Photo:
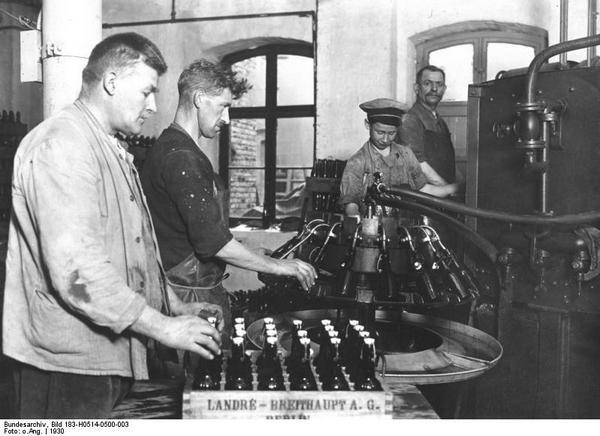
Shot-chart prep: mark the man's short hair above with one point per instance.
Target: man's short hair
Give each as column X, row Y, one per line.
column 431, row 68
column 120, row 51
column 210, row 77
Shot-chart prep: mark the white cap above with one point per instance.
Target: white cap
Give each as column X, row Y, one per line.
column 369, row 341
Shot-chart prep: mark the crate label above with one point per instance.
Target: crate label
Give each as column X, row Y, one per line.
column 284, row 405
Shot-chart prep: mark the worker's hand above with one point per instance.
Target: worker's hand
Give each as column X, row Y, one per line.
column 304, row 272
column 452, row 188
column 192, row 333
column 204, row 310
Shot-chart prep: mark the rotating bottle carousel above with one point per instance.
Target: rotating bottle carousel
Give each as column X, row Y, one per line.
column 384, row 272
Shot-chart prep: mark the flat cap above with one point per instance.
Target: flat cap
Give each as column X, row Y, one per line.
column 384, row 110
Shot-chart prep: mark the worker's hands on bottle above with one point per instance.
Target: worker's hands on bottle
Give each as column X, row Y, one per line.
column 304, row 272
column 204, row 310
column 192, row 333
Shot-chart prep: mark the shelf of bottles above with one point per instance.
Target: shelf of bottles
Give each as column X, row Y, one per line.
column 339, row 379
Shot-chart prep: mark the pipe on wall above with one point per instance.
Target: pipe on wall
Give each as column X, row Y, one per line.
column 70, row 29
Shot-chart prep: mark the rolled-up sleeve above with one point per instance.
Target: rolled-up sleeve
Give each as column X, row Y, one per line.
column 188, row 181
column 412, row 133
column 63, row 188
column 417, row 175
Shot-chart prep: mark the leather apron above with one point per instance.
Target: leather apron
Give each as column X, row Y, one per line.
column 194, row 280
column 440, row 152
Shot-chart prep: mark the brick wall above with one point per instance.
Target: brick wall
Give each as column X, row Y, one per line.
column 247, row 138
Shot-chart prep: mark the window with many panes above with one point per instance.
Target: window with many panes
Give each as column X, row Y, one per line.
column 474, row 52
column 268, row 149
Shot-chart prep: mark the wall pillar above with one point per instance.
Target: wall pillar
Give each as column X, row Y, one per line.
column 70, row 29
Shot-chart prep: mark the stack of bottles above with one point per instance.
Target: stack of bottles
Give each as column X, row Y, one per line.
column 345, row 361
column 327, row 169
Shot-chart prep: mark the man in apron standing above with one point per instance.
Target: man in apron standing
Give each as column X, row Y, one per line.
column 185, row 196
column 424, row 130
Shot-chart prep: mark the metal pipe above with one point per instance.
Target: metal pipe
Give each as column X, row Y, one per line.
column 564, row 28
column 544, row 174
column 70, row 29
column 591, row 29
column 213, row 18
column 452, row 206
column 554, row 50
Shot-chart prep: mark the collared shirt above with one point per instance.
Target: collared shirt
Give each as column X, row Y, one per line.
column 179, row 182
column 399, row 167
column 77, row 252
column 414, row 124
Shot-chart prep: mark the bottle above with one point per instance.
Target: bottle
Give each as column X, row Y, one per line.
column 324, row 347
column 346, row 335
column 270, row 377
column 353, row 351
column 215, row 365
column 295, row 357
column 302, row 378
column 239, row 331
column 331, row 374
column 365, row 378
column 239, row 373
column 240, row 321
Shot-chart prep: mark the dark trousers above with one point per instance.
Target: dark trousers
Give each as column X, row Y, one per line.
column 49, row 394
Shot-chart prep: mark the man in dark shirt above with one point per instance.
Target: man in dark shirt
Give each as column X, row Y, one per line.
column 185, row 199
column 424, row 130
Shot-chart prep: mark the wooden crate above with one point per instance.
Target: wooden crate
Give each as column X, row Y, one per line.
column 286, row 404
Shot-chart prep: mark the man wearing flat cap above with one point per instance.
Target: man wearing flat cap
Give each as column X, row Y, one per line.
column 396, row 162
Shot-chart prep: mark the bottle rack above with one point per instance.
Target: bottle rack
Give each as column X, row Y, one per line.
column 282, row 404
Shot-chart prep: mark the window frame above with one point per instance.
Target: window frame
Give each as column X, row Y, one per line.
column 480, row 34
column 270, row 112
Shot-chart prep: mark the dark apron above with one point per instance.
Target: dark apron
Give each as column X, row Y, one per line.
column 194, row 280
column 440, row 152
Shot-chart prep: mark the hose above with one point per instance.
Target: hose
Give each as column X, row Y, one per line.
column 452, row 206
column 486, row 247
